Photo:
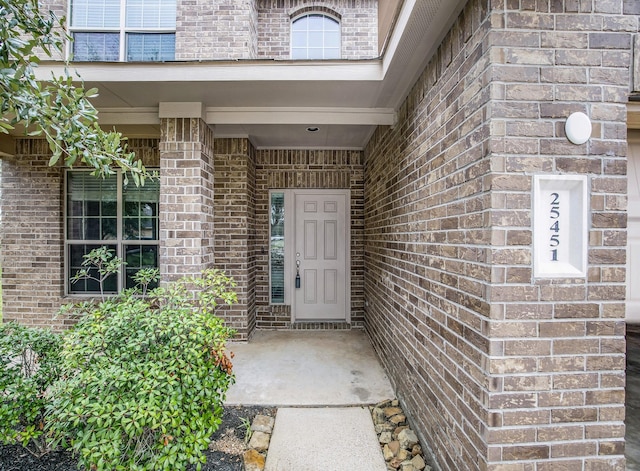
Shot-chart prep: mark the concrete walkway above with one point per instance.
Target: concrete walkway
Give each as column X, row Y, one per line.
column 313, row 439
column 322, row 383
column 307, row 368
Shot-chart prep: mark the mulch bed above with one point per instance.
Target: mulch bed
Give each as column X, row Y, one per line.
column 225, row 453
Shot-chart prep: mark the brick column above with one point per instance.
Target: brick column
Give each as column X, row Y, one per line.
column 186, row 191
column 557, row 349
column 235, row 239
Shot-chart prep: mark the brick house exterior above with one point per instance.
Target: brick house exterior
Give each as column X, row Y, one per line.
column 499, row 369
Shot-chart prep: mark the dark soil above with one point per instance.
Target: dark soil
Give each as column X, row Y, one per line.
column 225, row 453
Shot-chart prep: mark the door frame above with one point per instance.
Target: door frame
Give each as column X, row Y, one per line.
column 290, row 246
column 631, row 316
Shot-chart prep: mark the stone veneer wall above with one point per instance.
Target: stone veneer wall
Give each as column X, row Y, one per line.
column 499, row 370
column 358, row 22
column 235, row 248
column 324, row 169
column 32, row 234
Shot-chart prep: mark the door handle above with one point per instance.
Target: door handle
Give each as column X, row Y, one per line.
column 298, row 274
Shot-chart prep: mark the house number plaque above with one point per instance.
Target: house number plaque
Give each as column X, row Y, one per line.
column 560, row 226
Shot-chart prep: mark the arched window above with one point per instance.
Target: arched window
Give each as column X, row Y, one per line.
column 315, row 36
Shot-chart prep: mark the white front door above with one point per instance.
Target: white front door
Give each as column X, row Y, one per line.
column 321, row 257
column 633, row 234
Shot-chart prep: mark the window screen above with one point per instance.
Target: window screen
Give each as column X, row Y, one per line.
column 151, row 47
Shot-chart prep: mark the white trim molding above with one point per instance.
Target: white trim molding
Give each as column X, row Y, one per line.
column 363, row 116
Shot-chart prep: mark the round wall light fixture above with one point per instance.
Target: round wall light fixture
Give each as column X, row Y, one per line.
column 578, row 128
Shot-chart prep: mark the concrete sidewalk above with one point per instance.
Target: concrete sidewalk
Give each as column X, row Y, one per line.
column 322, row 382
column 334, row 439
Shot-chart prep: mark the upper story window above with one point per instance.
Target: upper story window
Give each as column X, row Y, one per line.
column 123, row 30
column 315, row 36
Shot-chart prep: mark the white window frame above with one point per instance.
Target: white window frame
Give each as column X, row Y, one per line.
column 119, row 241
column 326, row 16
column 122, row 30
column 288, row 237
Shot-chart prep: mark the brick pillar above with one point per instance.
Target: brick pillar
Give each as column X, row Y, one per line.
column 235, row 248
column 186, row 193
column 555, row 390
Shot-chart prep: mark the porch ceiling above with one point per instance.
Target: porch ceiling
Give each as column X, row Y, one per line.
column 274, row 102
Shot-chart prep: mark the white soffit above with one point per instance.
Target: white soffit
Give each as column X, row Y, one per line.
column 267, row 98
column 419, row 30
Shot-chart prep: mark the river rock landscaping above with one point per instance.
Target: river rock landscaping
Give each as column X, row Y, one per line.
column 400, row 446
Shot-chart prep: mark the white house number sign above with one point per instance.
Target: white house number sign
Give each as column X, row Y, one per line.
column 560, row 225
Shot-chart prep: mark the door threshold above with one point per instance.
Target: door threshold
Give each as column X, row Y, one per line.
column 320, row 325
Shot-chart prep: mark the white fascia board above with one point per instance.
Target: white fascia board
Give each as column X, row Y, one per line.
column 315, row 116
column 398, row 30
column 217, row 115
column 106, row 72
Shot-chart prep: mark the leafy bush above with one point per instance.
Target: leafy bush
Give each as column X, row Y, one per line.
column 98, row 265
column 29, row 364
column 145, row 379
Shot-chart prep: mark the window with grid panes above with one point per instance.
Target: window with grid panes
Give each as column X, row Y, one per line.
column 123, row 30
column 106, row 212
column 315, row 36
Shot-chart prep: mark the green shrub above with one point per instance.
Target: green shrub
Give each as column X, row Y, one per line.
column 98, row 265
column 29, row 364
column 145, row 379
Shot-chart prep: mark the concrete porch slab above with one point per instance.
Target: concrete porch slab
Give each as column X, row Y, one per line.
column 322, row 439
column 307, row 368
